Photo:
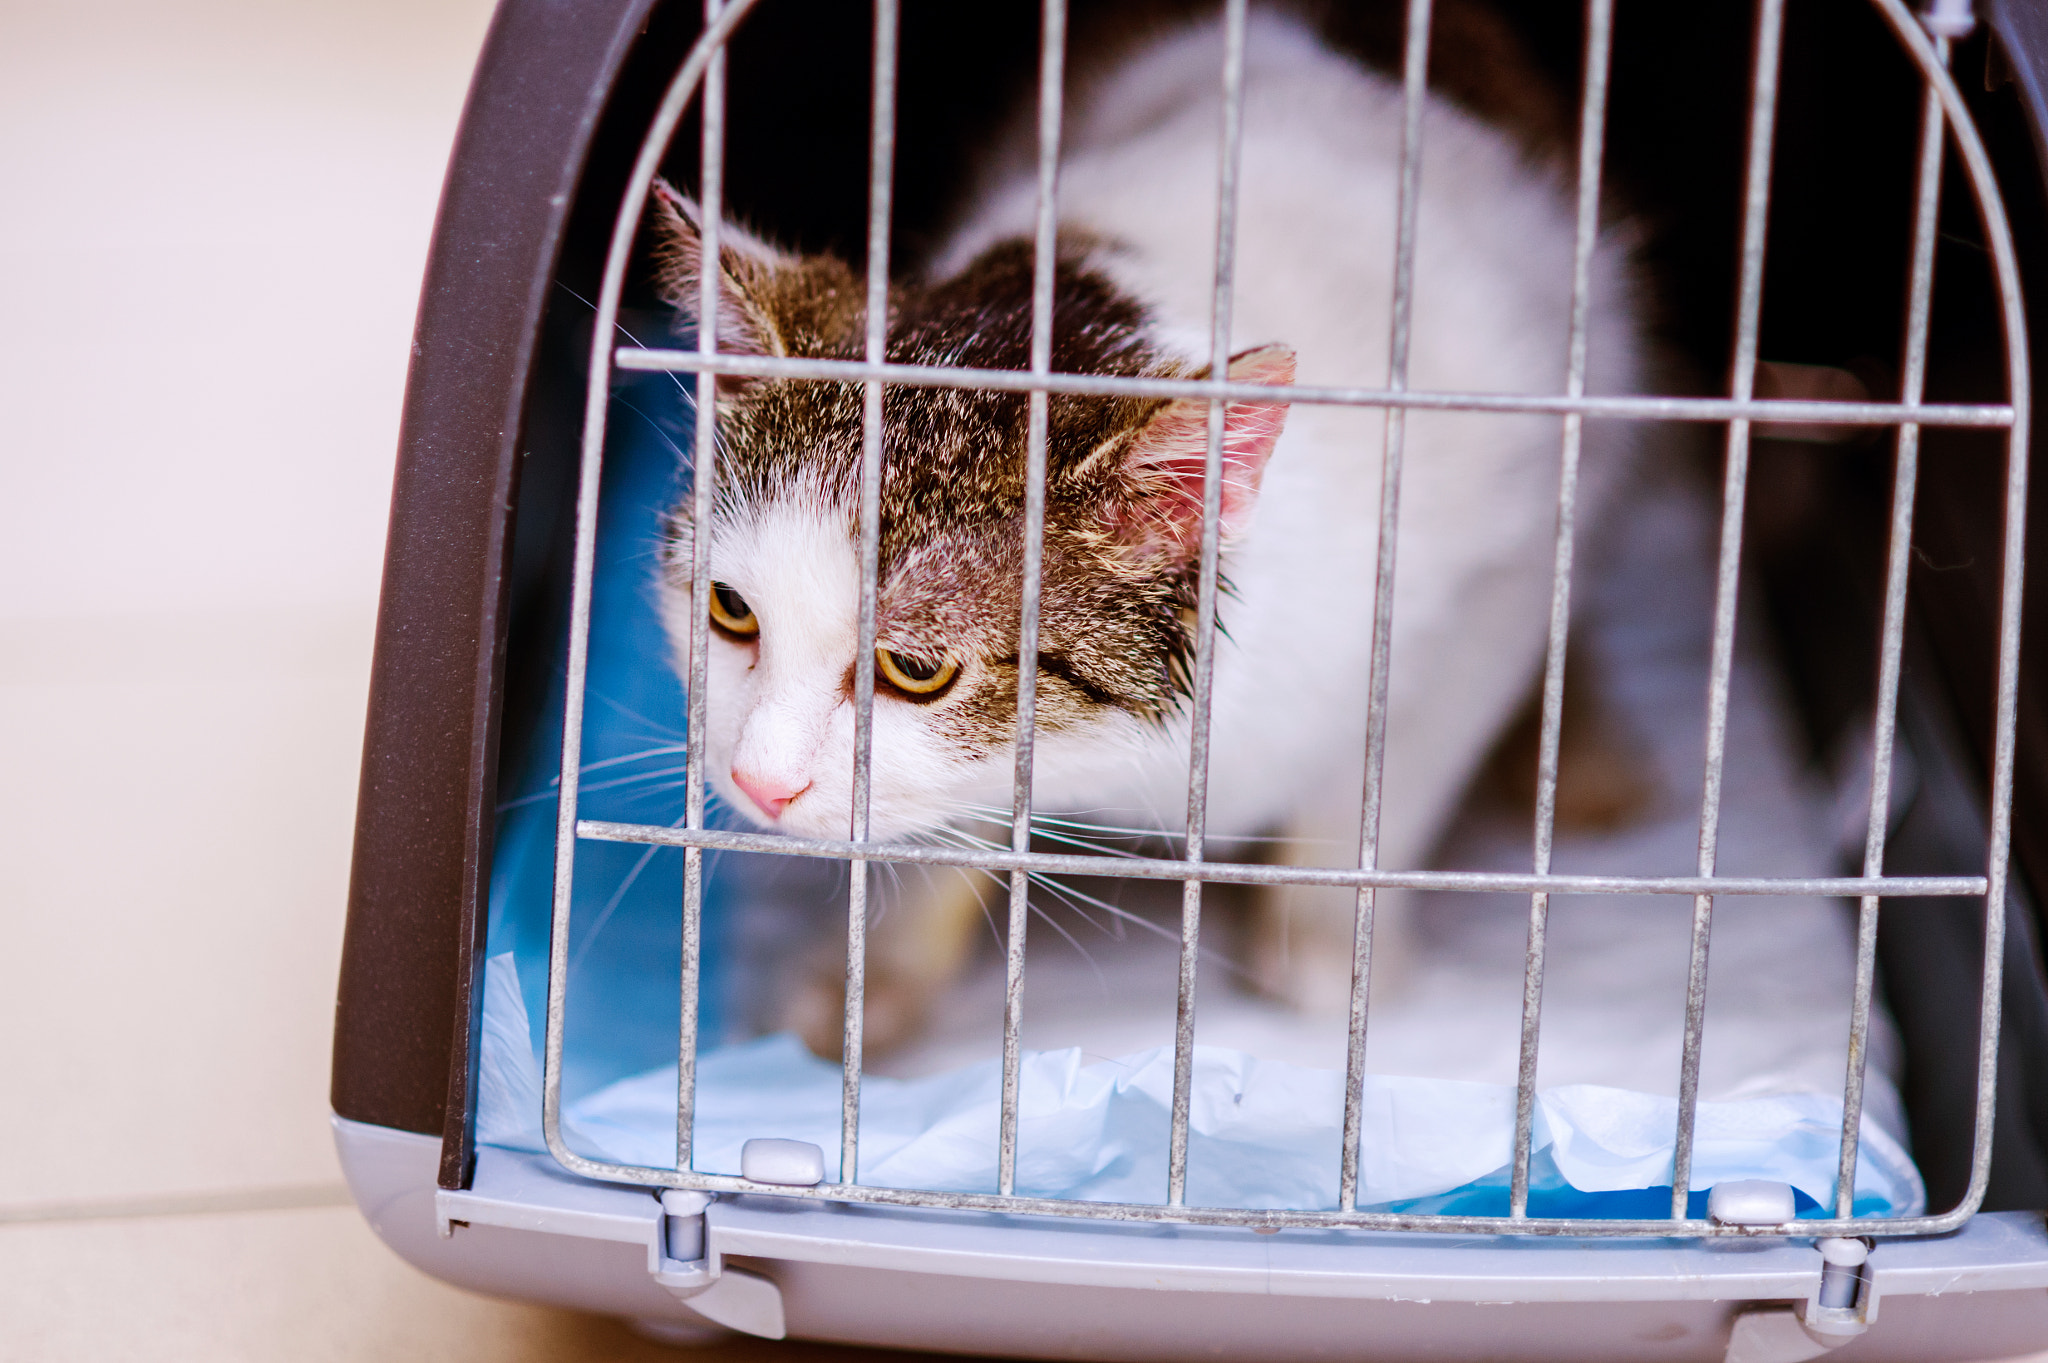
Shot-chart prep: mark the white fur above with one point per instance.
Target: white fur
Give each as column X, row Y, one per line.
column 1316, row 208
column 1314, row 271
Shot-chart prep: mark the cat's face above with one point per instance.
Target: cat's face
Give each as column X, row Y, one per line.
column 1121, row 546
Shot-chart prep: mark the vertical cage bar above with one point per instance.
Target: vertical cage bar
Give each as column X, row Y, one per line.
column 1905, row 476
column 1998, row 851
column 1205, row 609
column 1990, row 1002
column 589, row 478
column 881, row 173
column 1592, row 139
column 1763, row 110
column 1415, row 90
column 1051, row 77
column 577, row 667
column 1983, row 183
column 704, row 426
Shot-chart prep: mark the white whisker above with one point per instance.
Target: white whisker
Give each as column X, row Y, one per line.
column 642, row 777
column 667, row 731
column 1054, row 924
column 666, row 750
column 618, row 896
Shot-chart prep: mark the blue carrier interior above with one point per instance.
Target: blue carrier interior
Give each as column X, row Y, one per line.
column 625, row 958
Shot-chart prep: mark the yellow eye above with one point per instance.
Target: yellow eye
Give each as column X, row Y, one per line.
column 731, row 613
column 916, row 677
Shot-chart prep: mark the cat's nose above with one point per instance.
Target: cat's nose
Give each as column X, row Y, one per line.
column 773, row 794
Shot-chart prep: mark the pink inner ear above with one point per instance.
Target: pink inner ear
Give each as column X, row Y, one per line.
column 1171, row 453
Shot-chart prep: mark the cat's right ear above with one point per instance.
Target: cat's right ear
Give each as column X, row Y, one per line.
column 746, row 273
column 1156, row 509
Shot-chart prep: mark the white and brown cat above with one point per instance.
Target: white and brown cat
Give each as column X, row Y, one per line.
column 1311, row 304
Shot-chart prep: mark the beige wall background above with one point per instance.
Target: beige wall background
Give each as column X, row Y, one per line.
column 213, row 215
column 216, row 216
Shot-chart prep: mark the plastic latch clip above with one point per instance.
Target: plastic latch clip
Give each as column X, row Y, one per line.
column 1751, row 1202
column 793, row 1164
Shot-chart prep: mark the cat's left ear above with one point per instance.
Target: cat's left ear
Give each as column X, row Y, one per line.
column 1164, row 463
column 747, row 268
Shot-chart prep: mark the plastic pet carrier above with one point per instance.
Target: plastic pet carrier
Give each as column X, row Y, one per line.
column 564, row 1069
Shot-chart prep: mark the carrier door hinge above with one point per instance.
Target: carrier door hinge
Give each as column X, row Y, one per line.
column 1843, row 1304
column 691, row 1267
column 682, row 1253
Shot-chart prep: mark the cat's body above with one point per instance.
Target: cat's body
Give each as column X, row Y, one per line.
column 1311, row 301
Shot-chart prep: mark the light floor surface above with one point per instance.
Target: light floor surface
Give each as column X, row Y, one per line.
column 309, row 1285
column 217, row 213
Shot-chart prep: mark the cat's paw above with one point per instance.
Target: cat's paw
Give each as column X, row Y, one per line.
column 815, row 1009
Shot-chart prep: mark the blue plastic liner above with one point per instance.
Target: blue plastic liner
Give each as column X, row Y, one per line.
column 625, row 955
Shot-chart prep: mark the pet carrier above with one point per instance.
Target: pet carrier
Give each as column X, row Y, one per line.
column 652, row 1162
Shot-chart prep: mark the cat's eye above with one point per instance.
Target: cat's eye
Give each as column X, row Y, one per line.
column 731, row 613
column 918, row 678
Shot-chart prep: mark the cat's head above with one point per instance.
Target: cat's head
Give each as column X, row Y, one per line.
column 1122, row 534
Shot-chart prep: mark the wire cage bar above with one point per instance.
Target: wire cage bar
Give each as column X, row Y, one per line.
column 1763, row 114
column 1905, row 477
column 1051, row 86
column 1592, row 139
column 703, row 456
column 1945, row 125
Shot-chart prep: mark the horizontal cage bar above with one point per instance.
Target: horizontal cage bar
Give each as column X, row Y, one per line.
column 1253, row 873
column 1784, row 410
column 1261, row 1218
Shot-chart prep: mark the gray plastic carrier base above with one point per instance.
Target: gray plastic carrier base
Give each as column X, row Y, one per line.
column 971, row 1282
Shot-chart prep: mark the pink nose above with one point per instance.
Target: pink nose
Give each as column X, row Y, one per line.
column 772, row 794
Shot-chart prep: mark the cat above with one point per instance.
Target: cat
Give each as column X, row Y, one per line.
column 1300, row 494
